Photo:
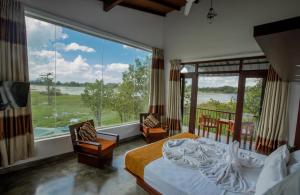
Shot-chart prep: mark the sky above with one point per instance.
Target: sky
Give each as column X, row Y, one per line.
column 76, row 56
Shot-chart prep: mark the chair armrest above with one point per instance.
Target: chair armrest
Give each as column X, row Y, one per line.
column 110, row 134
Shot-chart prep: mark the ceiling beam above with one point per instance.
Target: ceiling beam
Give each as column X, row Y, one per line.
column 109, row 4
column 166, row 4
column 142, row 9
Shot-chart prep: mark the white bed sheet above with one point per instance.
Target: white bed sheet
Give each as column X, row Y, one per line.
column 170, row 179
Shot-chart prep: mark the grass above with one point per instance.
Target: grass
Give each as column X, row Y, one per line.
column 65, row 110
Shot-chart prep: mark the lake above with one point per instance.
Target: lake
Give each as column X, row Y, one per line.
column 221, row 97
column 202, row 97
column 63, row 89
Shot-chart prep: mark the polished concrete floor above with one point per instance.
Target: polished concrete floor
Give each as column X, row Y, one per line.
column 67, row 176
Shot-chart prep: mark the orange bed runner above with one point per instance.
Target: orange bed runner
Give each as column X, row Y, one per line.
column 137, row 159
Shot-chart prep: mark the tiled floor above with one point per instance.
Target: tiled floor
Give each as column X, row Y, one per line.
column 70, row 177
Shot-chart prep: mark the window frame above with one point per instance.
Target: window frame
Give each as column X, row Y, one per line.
column 79, row 27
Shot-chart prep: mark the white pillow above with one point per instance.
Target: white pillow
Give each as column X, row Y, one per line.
column 293, row 168
column 281, row 151
column 294, row 157
column 288, row 186
column 272, row 173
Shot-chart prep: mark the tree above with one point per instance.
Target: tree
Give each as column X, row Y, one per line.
column 253, row 99
column 128, row 98
column 48, row 79
column 91, row 97
column 132, row 95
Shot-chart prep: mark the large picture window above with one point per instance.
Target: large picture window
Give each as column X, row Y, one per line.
column 75, row 77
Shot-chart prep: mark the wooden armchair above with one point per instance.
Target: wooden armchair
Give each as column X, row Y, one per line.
column 247, row 133
column 207, row 123
column 97, row 153
column 153, row 134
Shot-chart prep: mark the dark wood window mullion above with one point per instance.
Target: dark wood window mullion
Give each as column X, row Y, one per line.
column 182, row 77
column 193, row 108
column 240, row 104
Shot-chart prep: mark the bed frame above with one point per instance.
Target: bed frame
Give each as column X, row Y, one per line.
column 144, row 185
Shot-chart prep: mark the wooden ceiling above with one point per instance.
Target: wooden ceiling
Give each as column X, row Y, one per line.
column 280, row 41
column 158, row 7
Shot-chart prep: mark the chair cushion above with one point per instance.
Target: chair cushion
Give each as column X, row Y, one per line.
column 106, row 146
column 151, row 121
column 87, row 132
column 155, row 130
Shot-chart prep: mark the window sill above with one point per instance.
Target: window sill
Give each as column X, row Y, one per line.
column 98, row 129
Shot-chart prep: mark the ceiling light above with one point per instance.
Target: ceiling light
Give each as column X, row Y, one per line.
column 211, row 13
column 298, row 65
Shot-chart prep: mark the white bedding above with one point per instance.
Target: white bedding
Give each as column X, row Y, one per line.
column 171, row 179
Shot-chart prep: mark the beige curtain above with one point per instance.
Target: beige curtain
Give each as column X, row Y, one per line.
column 16, row 134
column 272, row 129
column 157, row 89
column 174, row 112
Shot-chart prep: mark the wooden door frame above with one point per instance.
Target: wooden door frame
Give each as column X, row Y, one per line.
column 243, row 74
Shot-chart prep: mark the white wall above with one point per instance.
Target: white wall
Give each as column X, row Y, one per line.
column 294, row 96
column 127, row 23
column 192, row 38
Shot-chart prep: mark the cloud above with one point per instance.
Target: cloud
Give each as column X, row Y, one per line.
column 46, row 54
column 112, row 73
column 40, row 34
column 77, row 69
column 117, row 67
column 75, row 46
column 41, row 62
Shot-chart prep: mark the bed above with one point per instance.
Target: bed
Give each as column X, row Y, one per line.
column 160, row 176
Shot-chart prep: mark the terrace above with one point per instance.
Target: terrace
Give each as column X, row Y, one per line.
column 228, row 98
column 224, row 130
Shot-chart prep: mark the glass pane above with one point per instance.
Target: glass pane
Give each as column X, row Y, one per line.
column 217, row 98
column 251, row 112
column 188, row 68
column 186, row 103
column 118, row 76
column 41, row 62
column 142, row 82
column 78, row 79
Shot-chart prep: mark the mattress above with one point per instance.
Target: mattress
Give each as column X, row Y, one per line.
column 170, row 179
column 137, row 159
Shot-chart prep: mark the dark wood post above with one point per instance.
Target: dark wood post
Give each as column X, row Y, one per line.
column 239, row 105
column 193, row 108
column 182, row 81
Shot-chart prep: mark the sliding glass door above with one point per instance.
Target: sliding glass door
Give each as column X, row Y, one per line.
column 186, row 89
column 225, row 98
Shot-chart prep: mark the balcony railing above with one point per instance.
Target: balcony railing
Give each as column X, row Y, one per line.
column 249, row 124
column 217, row 114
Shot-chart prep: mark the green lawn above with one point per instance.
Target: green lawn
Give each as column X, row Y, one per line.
column 65, row 110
